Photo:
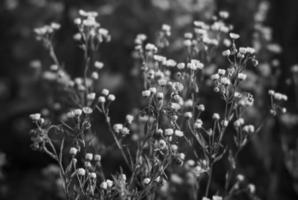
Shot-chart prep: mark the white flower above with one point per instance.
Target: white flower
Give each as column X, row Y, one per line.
column 35, row 117
column 201, row 107
column 92, row 175
column 98, row 65
column 105, row 92
column 160, row 95
column 198, row 124
column 234, row 36
column 221, row 72
column 73, row 151
column 162, row 144
column 118, row 127
column 101, row 99
column 188, row 115
column 239, row 122
column 89, row 156
column 179, row 133
column 226, row 52
column 146, row 181
column 109, row 183
column 97, row 157
column 181, row 66
column 91, row 96
column 242, row 76
column 225, row 81
column 215, row 197
column 87, row 110
column 249, row 128
column 146, row 93
column 129, row 118
column 111, row 97
column 215, row 116
column 151, row 47
column 104, row 185
column 240, row 177
column 169, row 132
column 153, row 90
column 81, row 172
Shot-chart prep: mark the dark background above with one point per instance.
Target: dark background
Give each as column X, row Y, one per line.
column 20, row 93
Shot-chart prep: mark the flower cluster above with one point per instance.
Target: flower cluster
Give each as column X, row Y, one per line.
column 173, row 138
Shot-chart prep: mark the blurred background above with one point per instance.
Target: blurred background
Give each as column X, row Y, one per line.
column 270, row 160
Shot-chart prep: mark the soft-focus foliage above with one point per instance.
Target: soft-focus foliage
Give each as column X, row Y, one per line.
column 156, row 99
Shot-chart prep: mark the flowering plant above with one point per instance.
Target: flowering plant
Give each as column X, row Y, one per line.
column 173, row 140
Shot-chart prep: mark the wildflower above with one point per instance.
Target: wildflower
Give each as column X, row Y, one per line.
column 195, row 65
column 81, row 172
column 146, row 93
column 146, row 181
column 251, row 188
column 205, row 198
column 109, row 183
column 188, row 115
column 152, row 90
column 175, row 106
column 87, row 110
column 225, row 81
column 101, row 99
column 78, row 112
column 87, row 164
column 118, row 127
column 174, row 147
column 201, row 107
column 181, row 66
column 225, row 123
column 77, row 21
column 171, row 63
column 89, row 156
column 140, row 39
column 179, row 133
column 104, row 185
column 98, row 65
column 94, row 75
column 97, row 157
column 224, row 14
column 215, row 197
column 105, row 92
column 160, row 95
column 221, row 72
column 239, row 122
column 111, row 97
column 249, row 128
column 226, row 52
column 151, row 47
column 92, row 175
column 198, row 124
column 129, row 118
column 234, row 36
column 216, row 116
column 175, row 178
column 187, row 43
column 162, row 144
column 215, row 76
column 169, row 132
column 242, row 76
column 182, row 156
column 188, row 103
column 73, row 151
column 125, row 131
column 91, row 96
column 35, row 117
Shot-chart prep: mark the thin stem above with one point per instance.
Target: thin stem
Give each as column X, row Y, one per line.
column 209, row 180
